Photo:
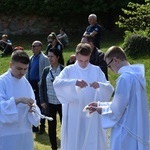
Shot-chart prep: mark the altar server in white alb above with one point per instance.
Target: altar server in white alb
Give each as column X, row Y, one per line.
column 16, row 102
column 75, row 87
column 127, row 114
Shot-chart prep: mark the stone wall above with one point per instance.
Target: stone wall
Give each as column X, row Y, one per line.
column 33, row 24
column 18, row 25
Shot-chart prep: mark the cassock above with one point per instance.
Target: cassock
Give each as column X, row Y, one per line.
column 127, row 114
column 15, row 120
column 78, row 131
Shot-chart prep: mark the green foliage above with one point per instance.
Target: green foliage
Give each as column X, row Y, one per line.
column 43, row 7
column 59, row 7
column 136, row 18
column 68, row 13
column 136, row 22
column 136, row 44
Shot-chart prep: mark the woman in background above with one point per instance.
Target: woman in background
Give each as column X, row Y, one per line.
column 48, row 98
column 53, row 42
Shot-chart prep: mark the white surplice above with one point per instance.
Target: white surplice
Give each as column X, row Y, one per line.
column 78, row 131
column 127, row 115
column 15, row 120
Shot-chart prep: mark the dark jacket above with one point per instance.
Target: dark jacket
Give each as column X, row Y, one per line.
column 43, row 87
column 97, row 58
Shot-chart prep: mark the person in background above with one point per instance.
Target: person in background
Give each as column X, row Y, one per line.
column 127, row 113
column 53, row 42
column 16, row 102
column 63, row 38
column 96, row 58
column 94, row 29
column 48, row 98
column 38, row 62
column 18, row 48
column 5, row 45
column 75, row 86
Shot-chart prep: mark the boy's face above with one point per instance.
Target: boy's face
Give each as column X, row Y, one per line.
column 83, row 61
column 18, row 69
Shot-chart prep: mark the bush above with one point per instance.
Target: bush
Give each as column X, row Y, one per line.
column 136, row 45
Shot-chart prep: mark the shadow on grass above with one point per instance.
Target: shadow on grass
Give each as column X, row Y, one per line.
column 44, row 139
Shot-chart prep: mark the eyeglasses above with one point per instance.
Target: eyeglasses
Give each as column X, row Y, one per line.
column 108, row 65
column 36, row 45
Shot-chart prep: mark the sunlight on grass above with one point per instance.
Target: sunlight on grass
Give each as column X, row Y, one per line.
column 41, row 142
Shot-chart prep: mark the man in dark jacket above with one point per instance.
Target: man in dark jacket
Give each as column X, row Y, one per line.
column 94, row 29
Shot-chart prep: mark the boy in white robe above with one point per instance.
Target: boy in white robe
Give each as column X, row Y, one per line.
column 127, row 114
column 16, row 102
column 75, row 87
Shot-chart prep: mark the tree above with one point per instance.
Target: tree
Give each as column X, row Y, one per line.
column 136, row 22
column 71, row 12
column 136, row 19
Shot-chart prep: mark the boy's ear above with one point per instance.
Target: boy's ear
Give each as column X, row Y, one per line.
column 115, row 59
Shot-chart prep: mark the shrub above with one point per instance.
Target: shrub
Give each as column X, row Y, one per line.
column 137, row 45
column 136, row 18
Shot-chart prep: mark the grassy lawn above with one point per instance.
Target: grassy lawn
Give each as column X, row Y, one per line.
column 108, row 39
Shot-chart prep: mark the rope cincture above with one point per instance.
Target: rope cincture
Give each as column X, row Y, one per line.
column 42, row 116
column 135, row 136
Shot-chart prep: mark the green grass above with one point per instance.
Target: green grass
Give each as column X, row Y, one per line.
column 108, row 39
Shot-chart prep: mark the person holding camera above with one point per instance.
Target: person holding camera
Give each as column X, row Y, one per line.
column 49, row 101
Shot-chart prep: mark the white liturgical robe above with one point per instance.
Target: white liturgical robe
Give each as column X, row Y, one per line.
column 127, row 114
column 78, row 131
column 15, row 120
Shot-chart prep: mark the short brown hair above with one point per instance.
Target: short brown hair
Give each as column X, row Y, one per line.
column 89, row 38
column 20, row 56
column 115, row 51
column 83, row 49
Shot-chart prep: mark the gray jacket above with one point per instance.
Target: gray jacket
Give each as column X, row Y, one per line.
column 43, row 62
